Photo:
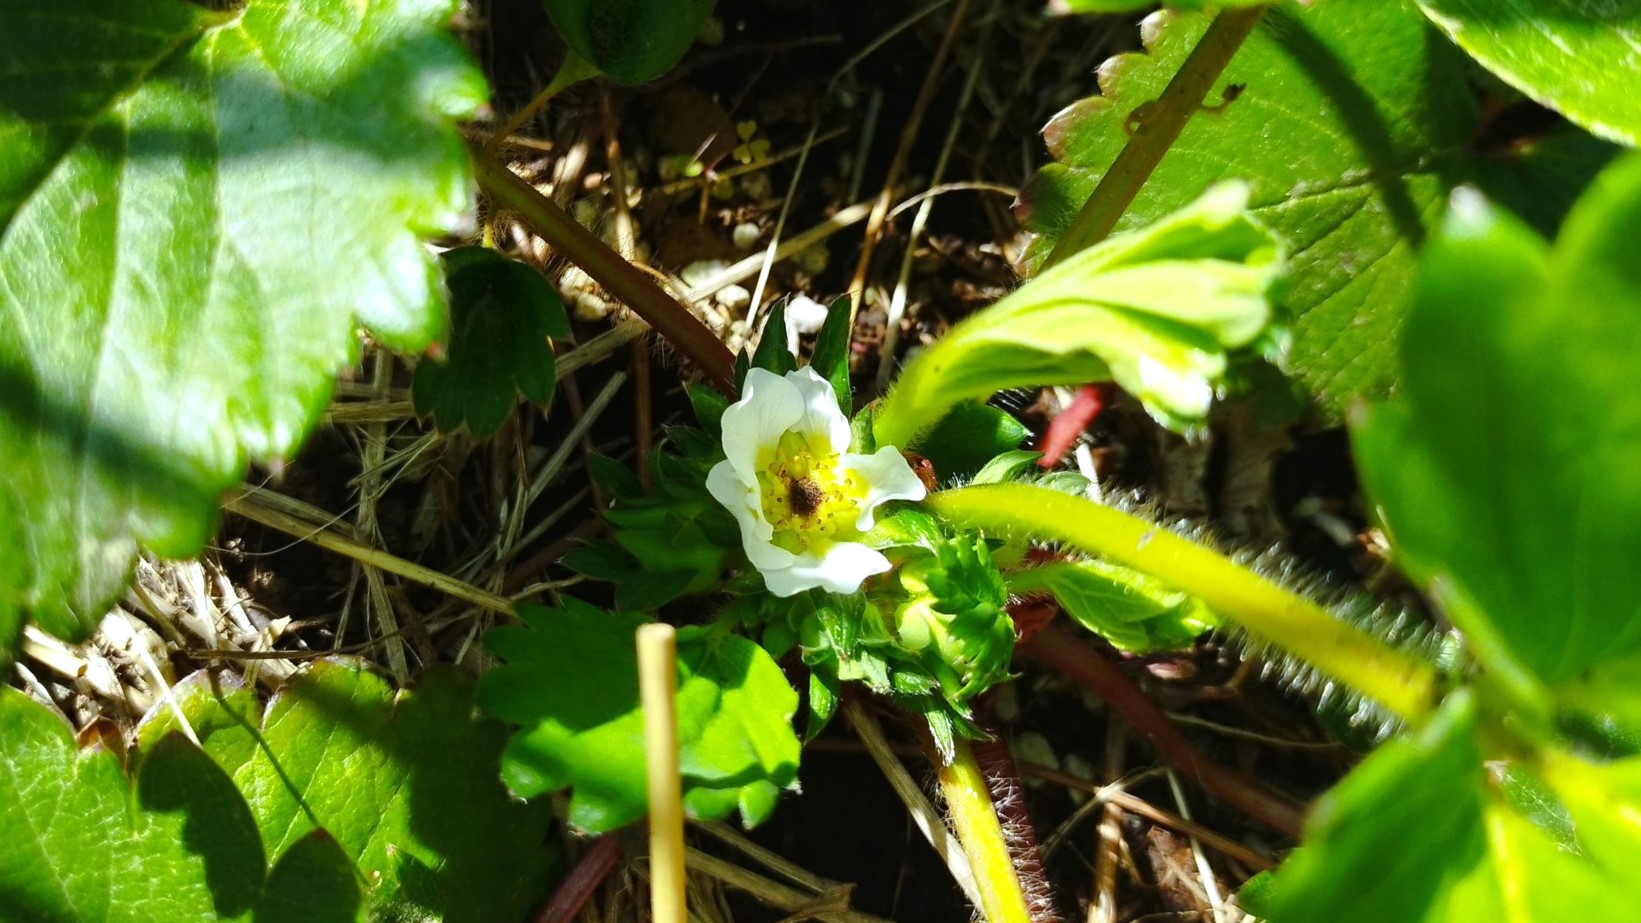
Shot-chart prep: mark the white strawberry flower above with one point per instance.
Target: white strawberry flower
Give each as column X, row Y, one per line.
column 802, row 499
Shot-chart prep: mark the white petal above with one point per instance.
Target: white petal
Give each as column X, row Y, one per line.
column 743, row 502
column 841, row 568
column 887, row 477
column 769, row 406
column 821, row 416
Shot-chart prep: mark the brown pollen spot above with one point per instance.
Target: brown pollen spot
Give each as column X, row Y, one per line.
column 805, row 496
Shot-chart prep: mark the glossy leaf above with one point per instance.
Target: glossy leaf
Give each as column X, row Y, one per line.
column 1348, row 118
column 1156, row 310
column 571, row 683
column 1132, row 611
column 502, row 314
column 631, row 41
column 1506, row 467
column 177, row 843
column 406, row 785
column 1581, row 58
column 968, row 437
column 195, row 216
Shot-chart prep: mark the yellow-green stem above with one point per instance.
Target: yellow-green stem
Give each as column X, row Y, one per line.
column 974, row 817
column 1405, row 686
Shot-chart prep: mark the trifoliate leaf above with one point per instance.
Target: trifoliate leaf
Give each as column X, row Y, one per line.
column 83, row 842
column 1347, row 118
column 1506, row 466
column 1132, row 611
column 1581, row 58
column 405, row 784
column 1156, row 310
column 196, row 212
column 631, row 41
column 502, row 314
column 571, row 683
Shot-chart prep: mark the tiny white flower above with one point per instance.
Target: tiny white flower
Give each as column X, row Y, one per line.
column 802, row 500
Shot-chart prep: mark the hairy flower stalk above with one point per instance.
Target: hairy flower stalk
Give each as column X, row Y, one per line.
column 802, row 500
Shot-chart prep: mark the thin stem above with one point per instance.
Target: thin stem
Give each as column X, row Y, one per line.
column 574, row 70
column 1159, row 127
column 968, row 800
column 251, row 503
column 657, row 689
column 1083, row 665
column 632, row 287
column 1402, row 684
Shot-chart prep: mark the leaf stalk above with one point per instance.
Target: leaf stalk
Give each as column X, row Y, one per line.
column 1402, row 684
column 1158, row 128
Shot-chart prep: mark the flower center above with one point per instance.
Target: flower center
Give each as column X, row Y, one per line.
column 805, row 495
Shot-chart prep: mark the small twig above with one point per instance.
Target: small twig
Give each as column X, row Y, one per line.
column 771, row 892
column 657, row 689
column 1058, row 650
column 1108, row 851
column 579, row 883
column 1160, row 126
column 1210, row 884
column 748, row 267
column 903, row 152
column 631, row 286
column 247, row 501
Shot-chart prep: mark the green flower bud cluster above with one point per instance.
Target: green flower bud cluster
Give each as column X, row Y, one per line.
column 954, row 617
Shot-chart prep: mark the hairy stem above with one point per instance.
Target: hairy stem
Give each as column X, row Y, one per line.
column 1404, row 685
column 633, row 288
column 1159, row 127
column 968, row 800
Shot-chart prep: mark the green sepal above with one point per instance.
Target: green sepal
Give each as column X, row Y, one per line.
column 709, row 405
column 1132, row 611
column 772, row 354
column 831, row 357
column 613, row 478
column 825, row 692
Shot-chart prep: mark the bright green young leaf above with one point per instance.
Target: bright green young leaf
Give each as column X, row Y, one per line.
column 1506, row 466
column 82, row 842
column 1132, row 611
column 1348, row 120
column 1156, row 310
column 630, row 41
column 571, row 683
column 405, row 784
column 502, row 314
column 1581, row 58
column 196, row 212
column 1416, row 833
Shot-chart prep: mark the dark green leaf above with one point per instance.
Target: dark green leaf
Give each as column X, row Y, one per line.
column 1506, row 467
column 1132, row 611
column 197, row 211
column 313, row 882
column 772, row 353
column 601, row 561
column 571, row 682
column 615, row 479
column 1349, row 122
column 1581, row 58
column 502, row 314
column 647, row 588
column 967, row 437
column 406, row 784
column 1540, row 178
column 709, row 405
column 631, row 41
column 831, row 357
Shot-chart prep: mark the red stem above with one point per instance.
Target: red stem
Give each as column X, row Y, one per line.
column 581, row 881
column 1055, row 648
column 1070, row 423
